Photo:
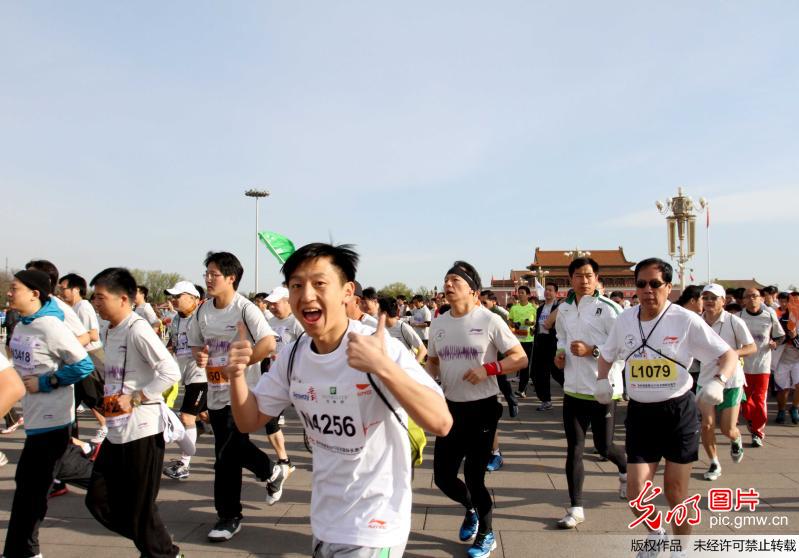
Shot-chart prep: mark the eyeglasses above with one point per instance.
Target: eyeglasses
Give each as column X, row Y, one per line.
column 212, row 276
column 654, row 283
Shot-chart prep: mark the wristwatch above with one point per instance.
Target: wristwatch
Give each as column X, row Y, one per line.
column 53, row 381
column 595, row 352
column 135, row 399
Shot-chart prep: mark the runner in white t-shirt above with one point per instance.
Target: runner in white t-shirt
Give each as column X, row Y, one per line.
column 72, row 290
column 400, row 330
column 463, row 348
column 421, row 317
column 138, row 368
column 353, row 388
column 354, row 311
column 211, row 332
column 658, row 340
column 185, row 298
column 145, row 309
column 11, row 387
column 735, row 333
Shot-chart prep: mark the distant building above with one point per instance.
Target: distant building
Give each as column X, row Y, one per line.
column 615, row 271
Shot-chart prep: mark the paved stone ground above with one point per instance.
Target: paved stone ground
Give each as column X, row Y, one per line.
column 530, row 495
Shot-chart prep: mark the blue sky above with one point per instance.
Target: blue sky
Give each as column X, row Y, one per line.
column 421, row 132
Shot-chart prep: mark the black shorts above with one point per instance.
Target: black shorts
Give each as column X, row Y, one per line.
column 666, row 429
column 272, row 427
column 195, row 399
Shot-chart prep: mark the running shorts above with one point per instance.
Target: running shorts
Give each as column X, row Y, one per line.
column 786, row 375
column 273, row 427
column 732, row 397
column 195, row 399
column 666, row 429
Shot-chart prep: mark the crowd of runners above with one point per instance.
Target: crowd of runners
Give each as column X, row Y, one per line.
column 366, row 375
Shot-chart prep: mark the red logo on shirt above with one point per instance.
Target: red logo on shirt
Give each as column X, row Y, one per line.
column 361, row 386
column 364, row 389
column 670, row 340
column 377, row 524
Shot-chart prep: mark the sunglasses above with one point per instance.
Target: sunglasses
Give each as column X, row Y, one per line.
column 654, row 283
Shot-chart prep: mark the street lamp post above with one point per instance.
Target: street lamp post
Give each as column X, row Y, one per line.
column 574, row 254
column 257, row 194
column 681, row 228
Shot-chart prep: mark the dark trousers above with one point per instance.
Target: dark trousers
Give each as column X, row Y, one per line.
column 578, row 415
column 506, row 389
column 121, row 496
column 234, row 451
column 543, row 364
column 33, row 479
column 524, row 373
column 470, row 439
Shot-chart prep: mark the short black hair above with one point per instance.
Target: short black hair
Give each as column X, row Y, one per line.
column 524, row 288
column 771, row 289
column 491, row 296
column 228, row 264
column 144, row 291
column 691, row 292
column 388, row 304
column 733, row 307
column 200, row 290
column 486, row 292
column 739, row 293
column 782, row 296
column 370, row 293
column 730, row 291
column 417, row 298
column 47, row 267
column 552, row 284
column 402, row 297
column 469, row 269
column 75, row 281
column 260, row 295
column 665, row 268
column 116, row 280
column 580, row 262
column 343, row 257
column 617, row 294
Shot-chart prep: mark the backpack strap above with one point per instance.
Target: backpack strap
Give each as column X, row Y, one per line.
column 291, row 357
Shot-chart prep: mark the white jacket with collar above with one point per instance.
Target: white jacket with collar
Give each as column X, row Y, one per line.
column 590, row 321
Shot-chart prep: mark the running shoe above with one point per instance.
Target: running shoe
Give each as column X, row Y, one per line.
column 757, row 441
column 656, row 542
column 795, row 415
column 469, row 526
column 545, row 406
column 224, row 529
column 573, row 517
column 3, row 459
column 780, row 417
column 622, row 486
column 483, row 544
column 13, row 427
column 57, row 489
column 713, row 472
column 513, row 409
column 520, row 394
column 495, row 462
column 291, row 467
column 99, row 436
column 177, row 470
column 274, row 485
column 737, row 450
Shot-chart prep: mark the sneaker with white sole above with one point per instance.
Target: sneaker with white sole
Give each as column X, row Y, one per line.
column 713, row 472
column 274, row 485
column 737, row 450
column 482, row 546
column 3, row 459
column 224, row 529
column 622, row 486
column 757, row 441
column 656, row 542
column 545, row 406
column 177, row 470
column 468, row 530
column 573, row 517
column 13, row 427
column 99, row 436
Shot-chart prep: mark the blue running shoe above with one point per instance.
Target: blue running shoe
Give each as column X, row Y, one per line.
column 483, row 545
column 469, row 526
column 495, row 463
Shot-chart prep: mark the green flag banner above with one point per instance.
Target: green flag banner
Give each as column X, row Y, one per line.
column 280, row 246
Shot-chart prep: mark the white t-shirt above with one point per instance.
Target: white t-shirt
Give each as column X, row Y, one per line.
column 146, row 311
column 361, row 491
column 764, row 326
column 4, row 364
column 190, row 373
column 88, row 317
column 286, row 331
column 735, row 333
column 675, row 337
column 70, row 317
column 467, row 342
column 137, row 360
column 419, row 316
column 43, row 347
column 543, row 313
column 217, row 328
column 406, row 335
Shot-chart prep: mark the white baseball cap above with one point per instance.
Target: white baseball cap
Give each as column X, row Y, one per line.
column 278, row 293
column 716, row 289
column 183, row 287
